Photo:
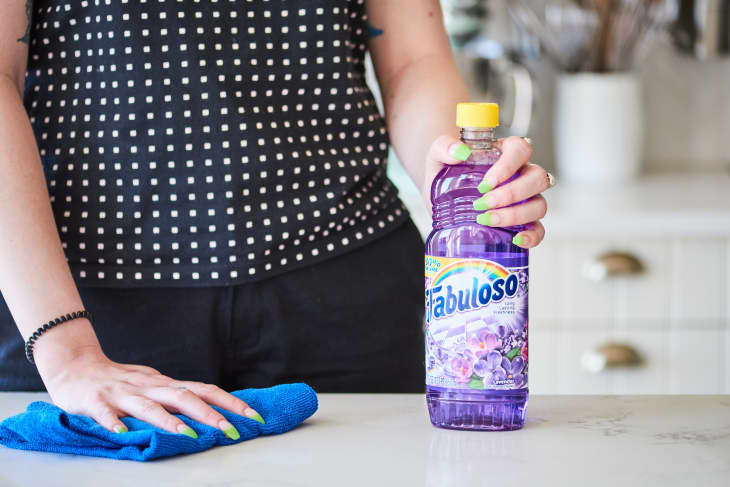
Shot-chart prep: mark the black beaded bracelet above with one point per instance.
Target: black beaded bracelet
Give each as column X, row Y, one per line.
column 51, row 324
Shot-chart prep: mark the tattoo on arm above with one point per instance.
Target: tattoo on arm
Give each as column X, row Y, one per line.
column 372, row 30
column 29, row 14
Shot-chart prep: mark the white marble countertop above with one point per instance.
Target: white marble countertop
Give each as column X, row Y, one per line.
column 379, row 440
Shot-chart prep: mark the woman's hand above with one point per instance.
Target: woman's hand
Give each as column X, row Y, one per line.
column 105, row 390
column 533, row 180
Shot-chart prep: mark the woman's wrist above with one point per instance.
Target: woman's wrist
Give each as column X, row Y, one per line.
column 63, row 343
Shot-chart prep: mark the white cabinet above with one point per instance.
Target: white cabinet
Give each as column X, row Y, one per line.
column 687, row 361
column 573, row 379
column 699, row 279
column 544, row 270
column 579, row 300
column 726, row 355
column 645, row 297
column 651, row 375
column 673, row 314
column 683, row 280
column 697, row 360
column 544, row 355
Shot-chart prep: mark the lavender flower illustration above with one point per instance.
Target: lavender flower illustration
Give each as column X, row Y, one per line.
column 461, row 368
column 483, row 342
column 514, row 370
column 490, row 368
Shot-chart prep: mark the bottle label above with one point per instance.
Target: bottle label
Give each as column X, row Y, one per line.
column 476, row 324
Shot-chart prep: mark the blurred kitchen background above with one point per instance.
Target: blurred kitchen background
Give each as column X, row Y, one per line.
column 627, row 102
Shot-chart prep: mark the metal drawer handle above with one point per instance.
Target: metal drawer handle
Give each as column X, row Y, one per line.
column 610, row 356
column 611, row 264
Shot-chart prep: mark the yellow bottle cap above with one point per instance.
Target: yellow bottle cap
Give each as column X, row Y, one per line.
column 477, row 115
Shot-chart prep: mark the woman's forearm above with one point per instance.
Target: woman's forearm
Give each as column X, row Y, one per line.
column 417, row 76
column 420, row 106
column 35, row 280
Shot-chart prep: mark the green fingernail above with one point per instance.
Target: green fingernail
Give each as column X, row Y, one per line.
column 518, row 240
column 257, row 417
column 484, row 218
column 187, row 430
column 462, row 152
column 481, row 204
column 484, row 187
column 120, row 428
column 230, row 430
column 232, row 433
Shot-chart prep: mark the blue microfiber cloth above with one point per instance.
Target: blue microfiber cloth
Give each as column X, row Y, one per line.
column 46, row 427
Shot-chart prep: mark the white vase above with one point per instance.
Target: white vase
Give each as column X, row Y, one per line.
column 599, row 127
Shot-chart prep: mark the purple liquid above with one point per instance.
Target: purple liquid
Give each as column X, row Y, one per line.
column 456, row 234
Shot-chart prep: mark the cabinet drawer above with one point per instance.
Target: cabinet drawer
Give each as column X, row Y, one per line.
column 681, row 280
column 692, row 359
column 700, row 279
column 651, row 376
column 544, row 360
column 697, row 360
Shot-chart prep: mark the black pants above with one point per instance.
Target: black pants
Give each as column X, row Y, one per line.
column 350, row 324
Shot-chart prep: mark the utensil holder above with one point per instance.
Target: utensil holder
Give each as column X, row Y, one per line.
column 599, row 127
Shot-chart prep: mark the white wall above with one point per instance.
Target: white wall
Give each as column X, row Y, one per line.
column 688, row 111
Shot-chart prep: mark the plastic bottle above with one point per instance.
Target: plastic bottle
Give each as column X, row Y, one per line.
column 476, row 296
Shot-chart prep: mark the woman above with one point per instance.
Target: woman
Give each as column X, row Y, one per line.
column 218, row 198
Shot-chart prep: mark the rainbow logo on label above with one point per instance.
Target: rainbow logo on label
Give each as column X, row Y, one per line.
column 467, row 285
column 492, row 270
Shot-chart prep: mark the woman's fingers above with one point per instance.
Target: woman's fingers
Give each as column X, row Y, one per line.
column 152, row 412
column 531, row 210
column 531, row 236
column 189, row 404
column 444, row 150
column 516, row 152
column 533, row 180
column 448, row 150
column 107, row 417
column 212, row 394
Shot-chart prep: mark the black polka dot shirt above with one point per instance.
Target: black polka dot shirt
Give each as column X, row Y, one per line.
column 206, row 142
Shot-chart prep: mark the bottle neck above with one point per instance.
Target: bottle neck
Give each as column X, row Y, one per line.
column 454, row 191
column 478, row 137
